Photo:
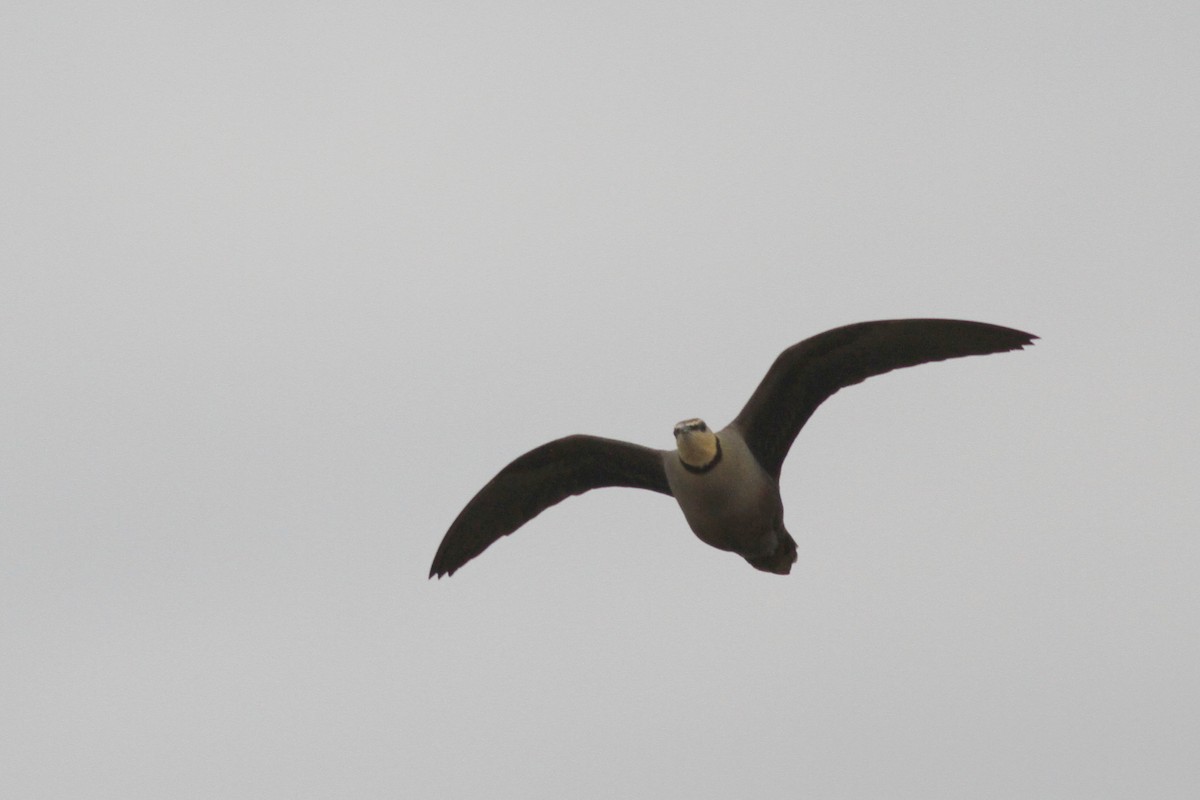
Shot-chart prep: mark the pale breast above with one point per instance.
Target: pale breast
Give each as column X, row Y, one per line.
column 735, row 505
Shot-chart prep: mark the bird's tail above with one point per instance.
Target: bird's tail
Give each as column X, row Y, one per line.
column 780, row 562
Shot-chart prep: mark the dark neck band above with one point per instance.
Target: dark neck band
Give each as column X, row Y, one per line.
column 701, row 470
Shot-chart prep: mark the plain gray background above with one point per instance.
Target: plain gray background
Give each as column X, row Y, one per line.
column 285, row 284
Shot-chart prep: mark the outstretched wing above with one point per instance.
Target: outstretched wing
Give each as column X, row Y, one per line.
column 808, row 373
column 537, row 480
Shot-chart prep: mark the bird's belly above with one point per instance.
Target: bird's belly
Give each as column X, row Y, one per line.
column 740, row 517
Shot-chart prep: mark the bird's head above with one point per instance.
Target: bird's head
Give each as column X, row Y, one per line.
column 697, row 445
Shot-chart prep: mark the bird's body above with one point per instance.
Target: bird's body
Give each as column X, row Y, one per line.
column 734, row 505
column 727, row 482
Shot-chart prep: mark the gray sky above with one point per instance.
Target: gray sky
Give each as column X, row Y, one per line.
column 283, row 286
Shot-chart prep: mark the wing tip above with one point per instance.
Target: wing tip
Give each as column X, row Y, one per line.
column 441, row 568
column 1024, row 339
column 998, row 338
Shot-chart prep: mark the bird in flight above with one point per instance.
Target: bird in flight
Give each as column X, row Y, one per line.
column 726, row 482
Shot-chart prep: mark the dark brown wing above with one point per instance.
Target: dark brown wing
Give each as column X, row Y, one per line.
column 808, row 373
column 537, row 480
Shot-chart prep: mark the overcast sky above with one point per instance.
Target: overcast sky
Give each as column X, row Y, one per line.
column 282, row 285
